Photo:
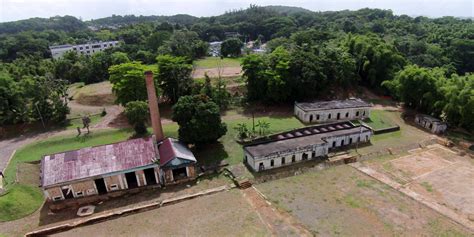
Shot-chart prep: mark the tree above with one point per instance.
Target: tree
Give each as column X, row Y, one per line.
column 231, row 47
column 198, row 119
column 376, row 60
column 174, row 76
column 137, row 114
column 128, row 82
column 458, row 104
column 12, row 104
column 418, row 87
column 119, row 58
column 263, row 127
column 185, row 44
column 242, row 130
column 254, row 67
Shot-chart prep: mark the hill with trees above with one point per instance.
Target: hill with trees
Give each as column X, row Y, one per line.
column 309, row 54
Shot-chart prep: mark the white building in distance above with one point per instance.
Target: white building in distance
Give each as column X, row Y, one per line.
column 58, row 51
column 334, row 110
column 434, row 125
column 303, row 144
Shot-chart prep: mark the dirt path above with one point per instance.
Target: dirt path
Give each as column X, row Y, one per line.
column 112, row 113
column 214, row 72
column 279, row 223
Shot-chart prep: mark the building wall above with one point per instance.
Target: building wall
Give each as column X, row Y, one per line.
column 54, row 192
column 254, row 162
column 87, row 188
column 115, row 182
column 86, row 49
column 434, row 127
column 350, row 139
column 320, row 150
column 323, row 116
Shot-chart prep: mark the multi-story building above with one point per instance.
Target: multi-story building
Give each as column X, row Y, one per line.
column 86, row 49
column 334, row 110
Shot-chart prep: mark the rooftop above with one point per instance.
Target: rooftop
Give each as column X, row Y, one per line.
column 333, row 104
column 300, row 138
column 99, row 160
column 174, row 153
column 429, row 118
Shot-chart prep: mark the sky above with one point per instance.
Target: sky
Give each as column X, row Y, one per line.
column 11, row 10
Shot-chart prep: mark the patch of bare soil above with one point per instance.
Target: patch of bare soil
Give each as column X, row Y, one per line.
column 221, row 214
column 436, row 176
column 342, row 201
column 214, row 72
column 278, row 222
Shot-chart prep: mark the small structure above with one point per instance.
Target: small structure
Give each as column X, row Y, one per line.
column 99, row 170
column 334, row 110
column 57, row 51
column 434, row 125
column 303, row 144
column 177, row 162
column 215, row 48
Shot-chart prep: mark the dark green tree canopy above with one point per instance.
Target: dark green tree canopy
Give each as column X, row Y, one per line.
column 174, row 76
column 128, row 82
column 231, row 47
column 198, row 119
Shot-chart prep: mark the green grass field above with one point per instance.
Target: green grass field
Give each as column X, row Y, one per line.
column 379, row 120
column 213, row 62
column 23, row 200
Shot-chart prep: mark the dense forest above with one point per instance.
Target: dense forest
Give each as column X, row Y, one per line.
column 424, row 62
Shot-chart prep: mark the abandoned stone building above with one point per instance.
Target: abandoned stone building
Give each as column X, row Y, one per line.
column 154, row 160
column 99, row 170
column 177, row 162
column 303, row 144
column 334, row 110
column 434, row 125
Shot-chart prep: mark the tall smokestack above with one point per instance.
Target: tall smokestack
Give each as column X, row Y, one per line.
column 153, row 106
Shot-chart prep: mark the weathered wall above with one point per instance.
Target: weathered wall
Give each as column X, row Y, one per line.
column 323, row 115
column 86, row 187
column 53, row 192
column 114, row 183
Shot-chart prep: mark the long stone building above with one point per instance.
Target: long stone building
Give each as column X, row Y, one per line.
column 303, row 144
column 330, row 111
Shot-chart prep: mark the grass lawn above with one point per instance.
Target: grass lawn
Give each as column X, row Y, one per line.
column 213, row 62
column 20, row 200
column 379, row 120
column 77, row 122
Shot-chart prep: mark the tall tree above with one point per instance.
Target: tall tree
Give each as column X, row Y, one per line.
column 198, row 119
column 128, row 82
column 174, row 76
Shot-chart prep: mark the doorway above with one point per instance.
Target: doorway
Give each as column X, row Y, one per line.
column 150, row 176
column 131, row 180
column 180, row 173
column 338, row 116
column 67, row 192
column 311, row 118
column 100, row 184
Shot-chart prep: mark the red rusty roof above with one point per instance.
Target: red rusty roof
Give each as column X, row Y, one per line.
column 171, row 148
column 99, row 160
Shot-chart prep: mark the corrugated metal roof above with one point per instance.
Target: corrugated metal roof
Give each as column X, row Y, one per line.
column 93, row 161
column 172, row 150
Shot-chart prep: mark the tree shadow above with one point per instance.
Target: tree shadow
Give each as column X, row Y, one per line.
column 210, row 154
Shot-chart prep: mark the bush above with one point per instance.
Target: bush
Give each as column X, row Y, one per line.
column 137, row 114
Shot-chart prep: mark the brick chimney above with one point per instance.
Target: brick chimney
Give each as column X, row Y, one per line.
column 153, row 106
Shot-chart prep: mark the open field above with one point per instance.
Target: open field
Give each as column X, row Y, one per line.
column 435, row 174
column 221, row 214
column 214, row 62
column 341, row 201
